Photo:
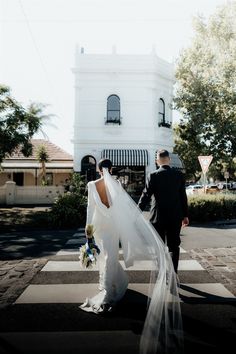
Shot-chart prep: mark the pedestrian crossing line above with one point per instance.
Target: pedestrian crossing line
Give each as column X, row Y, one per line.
column 77, row 293
column 65, row 281
column 70, row 251
column 66, row 251
column 79, row 234
column 75, row 266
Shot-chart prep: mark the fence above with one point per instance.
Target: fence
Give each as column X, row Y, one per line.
column 11, row 194
column 2, row 195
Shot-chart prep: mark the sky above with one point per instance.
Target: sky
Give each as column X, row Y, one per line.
column 38, row 40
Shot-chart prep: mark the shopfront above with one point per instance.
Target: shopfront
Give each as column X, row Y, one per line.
column 129, row 167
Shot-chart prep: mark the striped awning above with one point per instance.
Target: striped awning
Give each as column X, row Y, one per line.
column 175, row 161
column 122, row 157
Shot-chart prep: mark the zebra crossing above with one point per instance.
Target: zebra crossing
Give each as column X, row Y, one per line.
column 63, row 280
column 46, row 317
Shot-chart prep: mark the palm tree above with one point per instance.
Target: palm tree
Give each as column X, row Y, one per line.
column 42, row 157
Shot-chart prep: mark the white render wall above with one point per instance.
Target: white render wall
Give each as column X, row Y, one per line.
column 139, row 81
column 11, row 194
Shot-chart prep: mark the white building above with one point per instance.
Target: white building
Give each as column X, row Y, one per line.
column 122, row 111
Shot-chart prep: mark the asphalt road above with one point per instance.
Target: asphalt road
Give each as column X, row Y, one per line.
column 208, row 236
column 32, row 244
column 45, row 243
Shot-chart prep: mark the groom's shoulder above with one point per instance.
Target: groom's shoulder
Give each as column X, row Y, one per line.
column 153, row 174
column 157, row 171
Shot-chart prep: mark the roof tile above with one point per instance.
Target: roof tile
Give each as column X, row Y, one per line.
column 55, row 152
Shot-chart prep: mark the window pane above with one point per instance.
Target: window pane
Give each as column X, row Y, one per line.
column 161, row 106
column 113, row 103
column 113, row 115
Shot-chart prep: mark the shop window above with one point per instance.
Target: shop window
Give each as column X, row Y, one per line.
column 132, row 179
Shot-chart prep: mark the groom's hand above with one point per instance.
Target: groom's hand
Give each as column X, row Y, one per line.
column 185, row 221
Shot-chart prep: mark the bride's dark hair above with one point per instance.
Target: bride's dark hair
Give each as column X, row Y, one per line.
column 104, row 163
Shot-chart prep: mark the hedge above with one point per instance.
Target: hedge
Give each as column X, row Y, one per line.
column 204, row 208
column 68, row 210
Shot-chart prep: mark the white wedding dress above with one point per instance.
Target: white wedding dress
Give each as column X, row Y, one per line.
column 113, row 280
column 123, row 222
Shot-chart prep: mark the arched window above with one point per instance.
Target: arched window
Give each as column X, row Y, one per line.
column 113, row 110
column 162, row 117
column 88, row 167
column 162, row 122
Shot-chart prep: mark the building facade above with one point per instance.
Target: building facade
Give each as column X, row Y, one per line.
column 123, row 112
column 27, row 171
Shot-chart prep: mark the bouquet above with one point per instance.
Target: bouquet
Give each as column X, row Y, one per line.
column 88, row 253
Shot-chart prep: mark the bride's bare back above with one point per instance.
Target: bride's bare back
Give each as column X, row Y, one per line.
column 100, row 186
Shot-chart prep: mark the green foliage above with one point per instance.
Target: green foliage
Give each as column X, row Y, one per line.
column 43, row 157
column 69, row 210
column 42, row 154
column 17, row 124
column 204, row 208
column 206, row 95
column 77, row 183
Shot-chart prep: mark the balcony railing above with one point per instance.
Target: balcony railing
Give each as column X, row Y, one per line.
column 109, row 121
column 165, row 124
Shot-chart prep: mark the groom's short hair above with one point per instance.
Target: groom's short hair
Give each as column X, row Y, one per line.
column 162, row 154
column 104, row 163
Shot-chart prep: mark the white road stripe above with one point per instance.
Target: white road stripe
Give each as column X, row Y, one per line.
column 71, row 251
column 77, row 293
column 74, row 266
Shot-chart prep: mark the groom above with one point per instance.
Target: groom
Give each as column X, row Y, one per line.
column 169, row 207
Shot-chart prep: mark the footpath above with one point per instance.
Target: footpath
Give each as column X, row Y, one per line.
column 40, row 300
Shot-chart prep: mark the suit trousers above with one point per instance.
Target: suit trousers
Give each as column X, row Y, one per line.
column 169, row 231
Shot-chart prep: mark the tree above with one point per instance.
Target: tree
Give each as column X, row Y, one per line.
column 42, row 157
column 206, row 94
column 18, row 124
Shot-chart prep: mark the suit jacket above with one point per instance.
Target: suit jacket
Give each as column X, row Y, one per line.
column 165, row 188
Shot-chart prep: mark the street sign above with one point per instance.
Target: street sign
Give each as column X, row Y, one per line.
column 205, row 162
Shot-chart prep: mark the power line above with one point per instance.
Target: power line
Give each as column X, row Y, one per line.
column 36, row 47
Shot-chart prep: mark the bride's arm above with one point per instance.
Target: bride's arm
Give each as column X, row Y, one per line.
column 90, row 206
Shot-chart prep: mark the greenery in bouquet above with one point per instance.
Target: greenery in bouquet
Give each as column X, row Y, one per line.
column 88, row 253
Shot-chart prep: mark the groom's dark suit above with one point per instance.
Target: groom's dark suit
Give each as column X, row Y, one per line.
column 165, row 188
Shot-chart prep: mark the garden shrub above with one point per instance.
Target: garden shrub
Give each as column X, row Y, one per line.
column 204, row 208
column 69, row 210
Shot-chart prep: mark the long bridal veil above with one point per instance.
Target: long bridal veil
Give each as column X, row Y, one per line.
column 162, row 331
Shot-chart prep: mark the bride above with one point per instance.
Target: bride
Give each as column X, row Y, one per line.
column 116, row 218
